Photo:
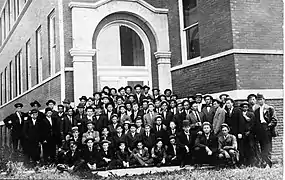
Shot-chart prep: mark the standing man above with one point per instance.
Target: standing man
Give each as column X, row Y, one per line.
column 266, row 121
column 223, row 98
column 198, row 99
column 51, row 103
column 15, row 122
column 208, row 109
column 234, row 119
column 139, row 95
column 251, row 99
column 37, row 105
column 219, row 117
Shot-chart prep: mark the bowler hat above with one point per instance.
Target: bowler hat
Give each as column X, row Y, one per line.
column 120, row 89
column 146, row 87
column 35, row 103
column 244, row 103
column 83, row 98
column 105, row 141
column 138, row 85
column 34, row 111
column 153, row 89
column 80, row 105
column 18, row 105
column 48, row 109
column 169, row 90
column 66, row 101
column 129, row 87
column 50, row 101
column 207, row 95
column 223, row 95
column 114, row 115
column 260, row 96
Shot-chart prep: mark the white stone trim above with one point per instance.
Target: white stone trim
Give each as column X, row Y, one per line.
column 242, row 94
column 82, row 52
column 33, row 88
column 102, row 2
column 162, row 55
column 198, row 60
column 68, row 69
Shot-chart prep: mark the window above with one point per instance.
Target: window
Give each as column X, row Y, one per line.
column 39, row 55
column 4, row 24
column 1, row 88
column 28, row 65
column 10, row 81
column 5, row 85
column 52, row 42
column 18, row 71
column 190, row 31
column 16, row 9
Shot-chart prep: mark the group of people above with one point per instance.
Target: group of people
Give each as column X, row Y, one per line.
column 136, row 127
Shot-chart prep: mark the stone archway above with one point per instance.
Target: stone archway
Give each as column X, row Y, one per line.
column 89, row 18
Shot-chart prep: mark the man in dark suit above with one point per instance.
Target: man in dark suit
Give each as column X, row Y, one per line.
column 236, row 123
column 90, row 154
column 51, row 103
column 100, row 120
column 206, row 146
column 178, row 117
column 31, row 131
column 174, row 152
column 160, row 130
column 37, row 105
column 138, row 94
column 15, row 122
column 68, row 122
column 119, row 136
column 196, row 119
column 79, row 119
column 209, row 109
column 266, row 121
column 136, row 112
column 106, row 156
column 165, row 113
column 110, row 111
column 49, row 131
column 186, row 140
column 132, row 137
column 148, row 138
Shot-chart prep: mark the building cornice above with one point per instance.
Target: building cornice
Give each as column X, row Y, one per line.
column 82, row 52
column 102, row 2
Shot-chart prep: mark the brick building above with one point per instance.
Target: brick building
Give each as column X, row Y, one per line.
column 56, row 49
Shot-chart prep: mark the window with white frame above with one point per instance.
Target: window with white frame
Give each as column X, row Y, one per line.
column 11, row 81
column 28, row 66
column 16, row 9
column 1, row 88
column 52, row 42
column 5, row 85
column 39, row 60
column 190, row 28
column 18, row 71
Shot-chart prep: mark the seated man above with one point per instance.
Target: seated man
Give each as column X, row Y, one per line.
column 118, row 136
column 174, row 152
column 72, row 159
column 106, row 156
column 90, row 133
column 90, row 154
column 106, row 136
column 158, row 153
column 64, row 148
column 228, row 146
column 148, row 138
column 132, row 137
column 140, row 155
column 206, row 146
column 122, row 156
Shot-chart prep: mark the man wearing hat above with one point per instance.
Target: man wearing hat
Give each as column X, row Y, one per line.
column 15, row 121
column 199, row 99
column 138, row 94
column 129, row 90
column 252, row 100
column 66, row 104
column 223, row 98
column 90, row 133
column 90, row 154
column 155, row 93
column 159, row 129
column 146, row 91
column 206, row 146
column 236, row 122
column 100, row 120
column 51, row 103
column 31, row 132
column 36, row 105
column 167, row 93
column 186, row 140
column 266, row 121
column 174, row 152
column 106, row 156
column 196, row 118
column 79, row 119
column 83, row 100
column 208, row 109
column 50, row 131
column 249, row 139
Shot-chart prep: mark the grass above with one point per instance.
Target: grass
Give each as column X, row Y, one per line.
column 12, row 169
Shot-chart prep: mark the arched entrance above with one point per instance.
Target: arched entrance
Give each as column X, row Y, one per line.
column 123, row 55
column 147, row 24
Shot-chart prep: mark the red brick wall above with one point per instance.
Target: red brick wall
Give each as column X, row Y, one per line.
column 257, row 24
column 69, row 86
column 259, row 71
column 49, row 90
column 215, row 29
column 209, row 77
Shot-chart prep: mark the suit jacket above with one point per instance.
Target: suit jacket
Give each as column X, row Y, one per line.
column 270, row 117
column 108, row 115
column 31, row 132
column 218, row 120
column 134, row 115
column 209, row 115
column 193, row 120
column 13, row 122
column 249, row 123
column 170, row 150
column 112, row 128
column 67, row 125
column 80, row 122
column 202, row 142
column 183, row 141
column 162, row 133
column 132, row 140
column 123, row 156
column 235, row 121
column 117, row 139
column 140, row 98
column 167, row 117
column 72, row 159
column 49, row 132
column 148, row 141
column 102, row 154
column 230, row 141
column 148, row 119
column 178, row 119
column 90, row 156
column 144, row 153
column 141, row 131
column 175, row 133
column 99, row 123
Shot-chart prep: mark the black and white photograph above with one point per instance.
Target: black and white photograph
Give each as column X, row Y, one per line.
column 142, row 89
